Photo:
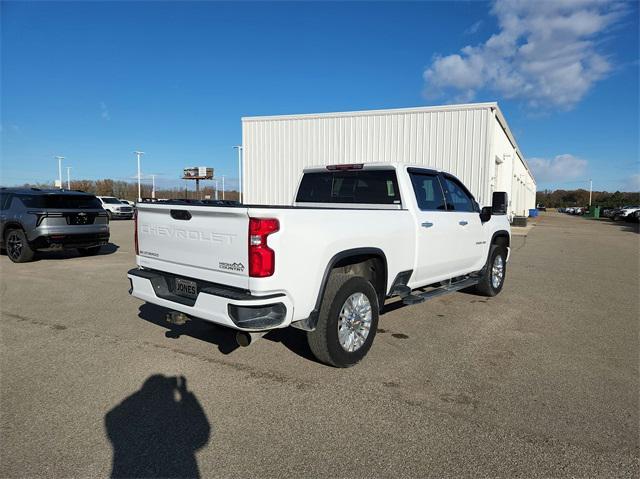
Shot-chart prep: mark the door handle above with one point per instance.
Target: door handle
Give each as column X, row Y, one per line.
column 463, row 223
column 427, row 224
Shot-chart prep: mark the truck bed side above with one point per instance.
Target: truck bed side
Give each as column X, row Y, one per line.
column 309, row 239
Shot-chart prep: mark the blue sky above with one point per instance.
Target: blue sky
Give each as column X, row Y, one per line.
column 95, row 81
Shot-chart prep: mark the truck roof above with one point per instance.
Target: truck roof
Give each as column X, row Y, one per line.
column 370, row 166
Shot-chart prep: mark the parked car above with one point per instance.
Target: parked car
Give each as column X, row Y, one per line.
column 576, row 210
column 606, row 212
column 355, row 235
column 625, row 213
column 127, row 202
column 35, row 220
column 115, row 208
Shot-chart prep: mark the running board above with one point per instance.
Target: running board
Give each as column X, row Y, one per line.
column 411, row 298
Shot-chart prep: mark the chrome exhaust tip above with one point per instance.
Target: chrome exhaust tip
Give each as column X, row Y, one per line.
column 176, row 317
column 244, row 338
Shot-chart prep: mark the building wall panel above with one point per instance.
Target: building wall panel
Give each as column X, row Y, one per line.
column 464, row 141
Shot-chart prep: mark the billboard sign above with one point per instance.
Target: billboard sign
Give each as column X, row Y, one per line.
column 198, row 172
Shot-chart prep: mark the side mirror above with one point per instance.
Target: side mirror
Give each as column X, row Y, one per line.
column 499, row 202
column 485, row 214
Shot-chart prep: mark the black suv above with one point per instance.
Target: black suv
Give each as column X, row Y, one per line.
column 34, row 219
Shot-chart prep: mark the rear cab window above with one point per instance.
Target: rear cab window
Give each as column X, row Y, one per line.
column 67, row 202
column 375, row 187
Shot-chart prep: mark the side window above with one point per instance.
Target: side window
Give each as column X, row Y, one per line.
column 5, row 201
column 459, row 199
column 30, row 201
column 428, row 192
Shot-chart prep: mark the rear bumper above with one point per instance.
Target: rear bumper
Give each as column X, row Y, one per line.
column 59, row 241
column 216, row 303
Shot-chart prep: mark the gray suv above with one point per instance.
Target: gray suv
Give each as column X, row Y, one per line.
column 34, row 219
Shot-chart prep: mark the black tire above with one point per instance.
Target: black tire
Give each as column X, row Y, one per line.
column 486, row 286
column 94, row 250
column 109, row 215
column 18, row 249
column 324, row 341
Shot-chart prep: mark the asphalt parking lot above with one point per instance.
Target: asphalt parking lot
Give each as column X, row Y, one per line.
column 542, row 380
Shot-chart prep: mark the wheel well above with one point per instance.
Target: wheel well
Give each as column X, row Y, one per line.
column 372, row 267
column 10, row 226
column 370, row 263
column 501, row 238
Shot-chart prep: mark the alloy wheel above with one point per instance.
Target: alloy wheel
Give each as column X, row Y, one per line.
column 14, row 245
column 497, row 271
column 354, row 322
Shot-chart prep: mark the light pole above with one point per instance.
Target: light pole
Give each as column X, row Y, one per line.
column 153, row 186
column 239, row 148
column 68, row 177
column 215, row 182
column 60, row 158
column 223, row 187
column 590, row 191
column 138, row 155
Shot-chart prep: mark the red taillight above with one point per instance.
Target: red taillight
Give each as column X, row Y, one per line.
column 135, row 229
column 262, row 259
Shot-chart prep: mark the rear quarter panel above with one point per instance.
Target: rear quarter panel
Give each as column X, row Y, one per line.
column 309, row 238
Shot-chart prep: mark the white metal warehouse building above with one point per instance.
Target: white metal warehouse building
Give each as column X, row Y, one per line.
column 471, row 141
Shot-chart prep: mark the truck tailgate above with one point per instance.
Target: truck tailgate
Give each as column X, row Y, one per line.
column 204, row 242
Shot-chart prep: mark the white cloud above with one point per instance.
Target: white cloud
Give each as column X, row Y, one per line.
column 473, row 28
column 545, row 52
column 632, row 183
column 556, row 170
column 104, row 111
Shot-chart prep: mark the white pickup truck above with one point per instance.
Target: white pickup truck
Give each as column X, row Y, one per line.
column 354, row 236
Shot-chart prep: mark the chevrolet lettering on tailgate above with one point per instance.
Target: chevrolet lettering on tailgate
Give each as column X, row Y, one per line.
column 182, row 234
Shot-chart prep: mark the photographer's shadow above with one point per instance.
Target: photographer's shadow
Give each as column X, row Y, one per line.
column 156, row 431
